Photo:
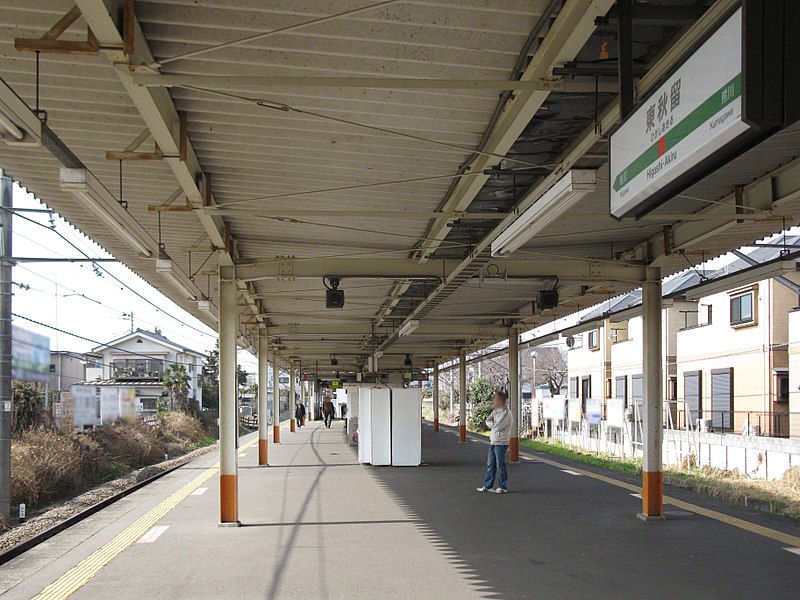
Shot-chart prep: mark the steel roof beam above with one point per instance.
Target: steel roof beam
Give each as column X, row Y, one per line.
column 425, row 329
column 105, row 18
column 569, row 33
column 659, row 69
column 146, row 78
column 404, row 269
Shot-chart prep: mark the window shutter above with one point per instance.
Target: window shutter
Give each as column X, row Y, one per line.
column 721, row 398
column 693, row 394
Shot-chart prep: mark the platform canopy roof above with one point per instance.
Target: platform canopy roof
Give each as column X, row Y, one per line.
column 297, row 141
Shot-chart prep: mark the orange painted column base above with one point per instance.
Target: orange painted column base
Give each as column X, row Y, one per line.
column 513, row 450
column 292, row 426
column 653, row 494
column 302, row 421
column 228, row 499
column 276, row 434
column 262, row 452
column 436, row 424
column 462, row 434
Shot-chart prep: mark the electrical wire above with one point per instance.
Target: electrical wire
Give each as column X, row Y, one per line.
column 264, row 103
column 103, row 344
column 114, row 277
column 271, row 32
column 349, row 188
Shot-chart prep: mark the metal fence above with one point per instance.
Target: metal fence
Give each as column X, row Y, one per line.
column 745, row 422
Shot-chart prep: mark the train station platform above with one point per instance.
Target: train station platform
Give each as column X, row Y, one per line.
column 316, row 524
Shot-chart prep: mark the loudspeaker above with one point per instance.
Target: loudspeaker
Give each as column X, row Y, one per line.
column 547, row 299
column 334, row 299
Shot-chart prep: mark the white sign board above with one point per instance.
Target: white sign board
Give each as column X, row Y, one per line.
column 575, row 410
column 615, row 412
column 84, row 406
column 553, row 408
column 692, row 115
column 109, row 404
column 594, row 411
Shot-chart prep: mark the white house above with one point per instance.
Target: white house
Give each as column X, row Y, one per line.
column 139, row 360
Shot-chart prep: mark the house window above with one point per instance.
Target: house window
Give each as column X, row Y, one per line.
column 782, row 387
column 742, row 309
column 705, row 315
column 621, row 392
column 573, row 387
column 594, row 340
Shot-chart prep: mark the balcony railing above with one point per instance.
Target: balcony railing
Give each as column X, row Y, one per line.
column 745, row 422
column 138, row 369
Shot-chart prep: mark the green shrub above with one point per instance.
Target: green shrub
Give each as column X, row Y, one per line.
column 481, row 412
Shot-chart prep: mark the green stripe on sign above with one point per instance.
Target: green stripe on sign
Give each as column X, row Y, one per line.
column 715, row 103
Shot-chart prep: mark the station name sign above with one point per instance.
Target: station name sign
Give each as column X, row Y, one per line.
column 737, row 88
column 695, row 113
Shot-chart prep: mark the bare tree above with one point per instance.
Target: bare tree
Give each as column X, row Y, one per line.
column 551, row 367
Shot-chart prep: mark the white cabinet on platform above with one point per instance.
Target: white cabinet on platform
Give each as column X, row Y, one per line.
column 390, row 426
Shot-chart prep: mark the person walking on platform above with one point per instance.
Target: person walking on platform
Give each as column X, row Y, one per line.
column 300, row 413
column 327, row 412
column 500, row 424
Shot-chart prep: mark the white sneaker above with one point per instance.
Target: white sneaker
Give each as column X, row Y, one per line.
column 483, row 489
column 500, row 491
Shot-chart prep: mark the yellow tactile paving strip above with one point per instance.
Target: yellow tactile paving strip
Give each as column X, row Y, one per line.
column 779, row 536
column 84, row 571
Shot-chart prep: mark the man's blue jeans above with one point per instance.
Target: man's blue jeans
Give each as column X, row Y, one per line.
column 494, row 462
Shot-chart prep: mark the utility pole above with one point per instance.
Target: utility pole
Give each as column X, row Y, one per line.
column 129, row 316
column 6, row 204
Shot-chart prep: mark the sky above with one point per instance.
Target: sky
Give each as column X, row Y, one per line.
column 85, row 300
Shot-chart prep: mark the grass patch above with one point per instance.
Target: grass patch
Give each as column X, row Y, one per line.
column 606, row 461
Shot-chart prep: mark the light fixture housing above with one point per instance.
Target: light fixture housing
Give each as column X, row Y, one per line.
column 19, row 125
column 206, row 306
column 564, row 194
column 165, row 267
column 94, row 197
column 408, row 328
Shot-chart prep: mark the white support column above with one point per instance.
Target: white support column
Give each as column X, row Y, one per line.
column 513, row 393
column 436, row 396
column 292, row 397
column 263, row 383
column 462, row 397
column 276, row 398
column 652, row 476
column 228, row 485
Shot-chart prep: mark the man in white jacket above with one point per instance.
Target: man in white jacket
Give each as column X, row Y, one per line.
column 500, row 424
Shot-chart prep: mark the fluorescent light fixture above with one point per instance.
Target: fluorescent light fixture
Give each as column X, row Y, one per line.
column 11, row 128
column 408, row 328
column 165, row 267
column 99, row 201
column 207, row 307
column 19, row 125
column 551, row 205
